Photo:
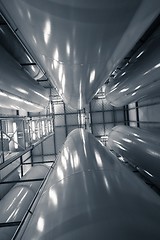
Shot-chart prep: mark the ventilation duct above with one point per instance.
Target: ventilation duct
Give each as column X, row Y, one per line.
column 140, row 78
column 91, row 195
column 138, row 147
column 14, row 205
column 4, row 188
column 9, row 41
column 17, row 89
column 79, row 43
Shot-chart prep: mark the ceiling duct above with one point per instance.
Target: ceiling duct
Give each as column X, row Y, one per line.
column 10, row 42
column 90, row 195
column 15, row 204
column 17, row 89
column 140, row 78
column 79, row 43
column 140, row 148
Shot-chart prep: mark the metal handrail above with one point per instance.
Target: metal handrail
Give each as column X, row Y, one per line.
column 14, row 158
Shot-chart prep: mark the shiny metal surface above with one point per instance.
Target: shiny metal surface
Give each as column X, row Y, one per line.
column 9, row 41
column 14, row 205
column 78, row 43
column 138, row 79
column 147, row 12
column 4, row 188
column 17, row 89
column 140, row 148
column 91, row 195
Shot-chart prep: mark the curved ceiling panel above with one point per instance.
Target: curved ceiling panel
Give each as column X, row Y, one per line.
column 74, row 41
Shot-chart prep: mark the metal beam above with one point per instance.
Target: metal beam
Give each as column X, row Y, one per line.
column 114, row 117
column 25, row 180
column 39, row 162
column 137, row 114
column 65, row 120
column 9, row 224
column 28, row 64
column 2, row 147
column 90, row 110
column 126, row 116
column 103, row 116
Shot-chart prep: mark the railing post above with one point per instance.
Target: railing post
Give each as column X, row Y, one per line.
column 2, row 147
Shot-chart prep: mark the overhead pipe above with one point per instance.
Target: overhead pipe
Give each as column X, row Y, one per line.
column 78, row 44
column 140, row 78
column 140, row 148
column 4, row 188
column 90, row 195
column 17, row 89
column 9, row 41
column 16, row 202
